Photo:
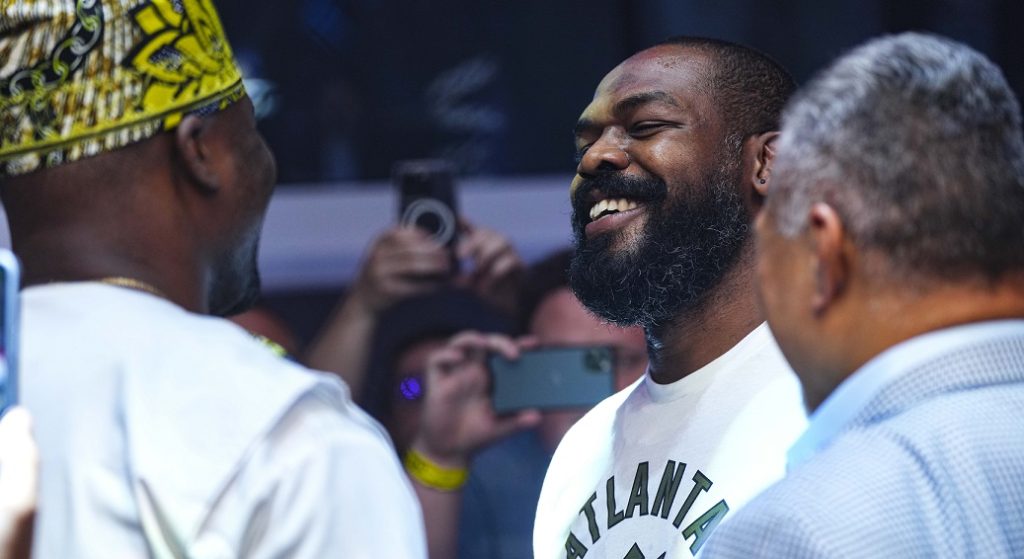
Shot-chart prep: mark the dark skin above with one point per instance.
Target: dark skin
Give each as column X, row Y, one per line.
column 652, row 116
column 167, row 211
column 820, row 289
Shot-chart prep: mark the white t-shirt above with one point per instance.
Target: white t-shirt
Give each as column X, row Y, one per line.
column 649, row 472
column 163, row 433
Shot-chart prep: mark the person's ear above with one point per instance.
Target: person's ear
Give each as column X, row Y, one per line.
column 761, row 154
column 197, row 148
column 829, row 242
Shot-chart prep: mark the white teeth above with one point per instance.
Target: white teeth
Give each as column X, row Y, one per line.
column 609, row 205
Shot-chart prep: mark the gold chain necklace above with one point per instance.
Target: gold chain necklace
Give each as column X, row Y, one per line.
column 132, row 283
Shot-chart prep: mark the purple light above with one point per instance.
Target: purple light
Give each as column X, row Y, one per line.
column 411, row 388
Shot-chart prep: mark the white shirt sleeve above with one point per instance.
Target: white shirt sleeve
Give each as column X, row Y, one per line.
column 325, row 483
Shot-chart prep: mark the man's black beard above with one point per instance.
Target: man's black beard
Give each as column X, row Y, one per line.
column 692, row 237
column 236, row 283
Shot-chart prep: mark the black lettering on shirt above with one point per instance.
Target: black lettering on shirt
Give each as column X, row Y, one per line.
column 638, row 498
column 574, row 548
column 588, row 510
column 700, row 483
column 639, row 504
column 614, row 517
column 703, row 526
column 666, row 494
column 635, row 553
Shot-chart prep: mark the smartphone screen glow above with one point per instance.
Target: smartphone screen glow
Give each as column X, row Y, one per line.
column 9, row 280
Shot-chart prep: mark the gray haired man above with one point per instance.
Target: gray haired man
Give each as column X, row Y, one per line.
column 891, row 256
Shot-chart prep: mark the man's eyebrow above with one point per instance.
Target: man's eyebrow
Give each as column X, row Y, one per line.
column 628, row 104
column 582, row 125
column 643, row 98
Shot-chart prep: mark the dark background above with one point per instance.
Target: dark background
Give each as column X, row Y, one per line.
column 497, row 85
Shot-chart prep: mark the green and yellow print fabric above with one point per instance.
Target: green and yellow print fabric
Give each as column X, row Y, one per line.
column 82, row 77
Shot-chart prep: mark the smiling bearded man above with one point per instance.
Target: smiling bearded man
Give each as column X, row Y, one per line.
column 689, row 242
column 675, row 154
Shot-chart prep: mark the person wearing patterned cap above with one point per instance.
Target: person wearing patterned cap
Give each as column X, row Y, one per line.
column 135, row 184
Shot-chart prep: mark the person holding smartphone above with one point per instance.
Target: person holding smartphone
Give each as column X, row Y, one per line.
column 402, row 263
column 500, row 458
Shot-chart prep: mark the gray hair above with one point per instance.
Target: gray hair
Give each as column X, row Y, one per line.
column 916, row 142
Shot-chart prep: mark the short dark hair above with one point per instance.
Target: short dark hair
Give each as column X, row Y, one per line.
column 750, row 88
column 916, row 141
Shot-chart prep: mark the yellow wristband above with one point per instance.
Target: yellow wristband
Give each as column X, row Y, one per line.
column 273, row 346
column 432, row 475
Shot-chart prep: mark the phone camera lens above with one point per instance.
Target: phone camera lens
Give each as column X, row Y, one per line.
column 597, row 360
column 433, row 216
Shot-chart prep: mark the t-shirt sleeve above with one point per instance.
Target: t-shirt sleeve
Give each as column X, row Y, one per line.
column 326, row 483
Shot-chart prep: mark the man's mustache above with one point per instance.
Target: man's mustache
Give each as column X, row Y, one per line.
column 618, row 185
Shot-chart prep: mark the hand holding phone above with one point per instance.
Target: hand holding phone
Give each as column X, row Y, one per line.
column 491, row 268
column 457, row 417
column 553, row 378
column 401, row 263
column 426, row 189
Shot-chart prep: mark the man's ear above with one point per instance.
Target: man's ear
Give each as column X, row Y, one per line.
column 759, row 153
column 194, row 142
column 832, row 272
column 763, row 160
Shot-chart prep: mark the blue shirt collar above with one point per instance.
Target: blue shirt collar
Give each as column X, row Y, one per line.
column 846, row 401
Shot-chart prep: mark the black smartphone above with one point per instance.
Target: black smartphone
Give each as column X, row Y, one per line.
column 553, row 378
column 9, row 312
column 426, row 199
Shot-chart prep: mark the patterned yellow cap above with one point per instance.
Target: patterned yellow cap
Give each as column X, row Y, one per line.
column 83, row 77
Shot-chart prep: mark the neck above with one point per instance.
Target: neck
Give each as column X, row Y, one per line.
column 697, row 337
column 119, row 214
column 49, row 258
column 897, row 315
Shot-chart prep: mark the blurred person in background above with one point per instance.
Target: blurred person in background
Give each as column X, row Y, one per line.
column 135, row 185
column 500, row 496
column 405, row 336
column 479, row 500
column 404, row 305
column 674, row 156
column 401, row 395
column 556, row 318
column 19, row 484
column 402, row 263
column 892, row 272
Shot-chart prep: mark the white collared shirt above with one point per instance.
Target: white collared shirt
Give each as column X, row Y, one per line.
column 846, row 401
